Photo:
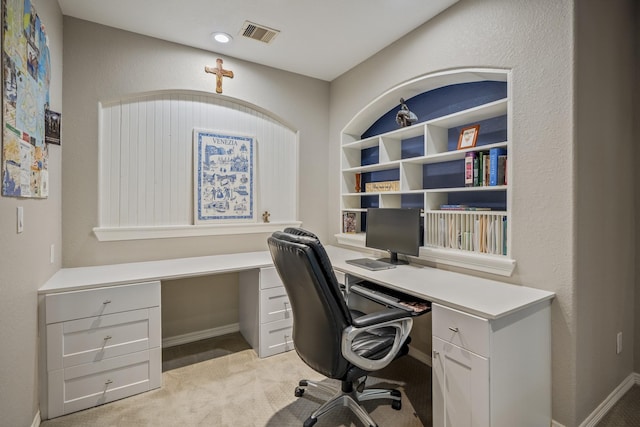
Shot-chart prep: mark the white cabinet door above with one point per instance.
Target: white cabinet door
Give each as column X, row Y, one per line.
column 460, row 387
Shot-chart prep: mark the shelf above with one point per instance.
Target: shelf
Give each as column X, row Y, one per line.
column 451, row 155
column 487, row 263
column 463, row 189
column 477, row 114
column 376, row 167
column 437, row 165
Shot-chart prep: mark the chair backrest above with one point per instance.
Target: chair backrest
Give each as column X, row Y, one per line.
column 320, row 314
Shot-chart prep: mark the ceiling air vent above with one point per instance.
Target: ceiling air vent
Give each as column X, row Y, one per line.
column 258, row 32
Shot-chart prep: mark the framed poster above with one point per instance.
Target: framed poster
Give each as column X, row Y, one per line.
column 224, row 177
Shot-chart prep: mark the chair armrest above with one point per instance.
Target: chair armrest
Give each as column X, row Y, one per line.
column 380, row 316
column 402, row 327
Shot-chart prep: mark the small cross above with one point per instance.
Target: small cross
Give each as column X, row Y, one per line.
column 220, row 73
column 265, row 216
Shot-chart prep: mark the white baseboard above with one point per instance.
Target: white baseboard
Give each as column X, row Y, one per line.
column 420, row 356
column 613, row 398
column 36, row 420
column 200, row 335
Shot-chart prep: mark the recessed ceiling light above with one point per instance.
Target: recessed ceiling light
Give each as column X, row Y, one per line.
column 222, row 37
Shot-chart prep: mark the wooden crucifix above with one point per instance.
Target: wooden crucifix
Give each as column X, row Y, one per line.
column 220, row 73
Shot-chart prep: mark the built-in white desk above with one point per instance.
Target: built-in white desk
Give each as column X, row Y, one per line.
column 493, row 337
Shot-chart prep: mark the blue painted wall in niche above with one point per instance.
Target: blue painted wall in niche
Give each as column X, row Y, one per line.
column 496, row 200
column 443, row 175
column 491, row 131
column 431, row 105
column 441, row 102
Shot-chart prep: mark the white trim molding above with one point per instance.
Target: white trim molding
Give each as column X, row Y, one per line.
column 613, row 398
column 110, row 234
column 200, row 335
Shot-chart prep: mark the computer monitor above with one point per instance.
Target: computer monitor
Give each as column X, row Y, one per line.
column 395, row 230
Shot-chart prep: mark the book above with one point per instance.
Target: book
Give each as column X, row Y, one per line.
column 502, row 169
column 453, row 207
column 463, row 208
column 494, row 166
column 469, row 159
column 481, row 169
column 485, row 168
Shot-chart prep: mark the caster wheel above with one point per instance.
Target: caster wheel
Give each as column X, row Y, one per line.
column 299, row 392
column 309, row 422
column 396, row 404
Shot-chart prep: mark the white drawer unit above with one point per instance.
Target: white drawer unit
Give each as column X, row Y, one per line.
column 102, row 344
column 265, row 312
column 461, row 329
column 480, row 367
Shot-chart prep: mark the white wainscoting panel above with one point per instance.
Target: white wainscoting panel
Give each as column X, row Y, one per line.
column 146, row 158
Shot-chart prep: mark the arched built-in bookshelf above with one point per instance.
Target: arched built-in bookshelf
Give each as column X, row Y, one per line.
column 464, row 225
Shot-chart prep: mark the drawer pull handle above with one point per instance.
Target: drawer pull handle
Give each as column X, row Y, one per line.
column 452, row 329
column 107, row 382
column 107, row 338
column 107, row 302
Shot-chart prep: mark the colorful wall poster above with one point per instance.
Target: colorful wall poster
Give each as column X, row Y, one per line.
column 26, row 75
column 224, row 177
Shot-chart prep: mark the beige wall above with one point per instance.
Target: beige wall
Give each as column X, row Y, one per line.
column 572, row 150
column 534, row 40
column 605, row 216
column 103, row 64
column 636, row 113
column 212, row 302
column 24, row 261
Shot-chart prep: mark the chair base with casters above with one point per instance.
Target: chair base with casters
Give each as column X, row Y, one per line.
column 339, row 343
column 349, row 397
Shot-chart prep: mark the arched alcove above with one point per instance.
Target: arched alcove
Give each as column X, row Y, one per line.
column 465, row 223
column 146, row 164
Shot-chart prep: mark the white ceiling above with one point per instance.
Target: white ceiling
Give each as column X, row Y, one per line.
column 321, row 38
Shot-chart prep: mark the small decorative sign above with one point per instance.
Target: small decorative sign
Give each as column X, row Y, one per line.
column 382, row 186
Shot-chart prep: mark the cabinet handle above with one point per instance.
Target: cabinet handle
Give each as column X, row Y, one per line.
column 107, row 382
column 108, row 337
column 107, row 302
column 452, row 329
column 435, row 353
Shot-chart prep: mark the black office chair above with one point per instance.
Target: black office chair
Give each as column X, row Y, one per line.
column 333, row 340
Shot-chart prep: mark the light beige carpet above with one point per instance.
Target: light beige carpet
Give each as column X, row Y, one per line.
column 239, row 389
column 626, row 412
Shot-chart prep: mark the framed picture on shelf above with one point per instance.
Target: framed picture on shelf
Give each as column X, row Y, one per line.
column 349, row 222
column 468, row 137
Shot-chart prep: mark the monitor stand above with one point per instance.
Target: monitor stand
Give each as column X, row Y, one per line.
column 393, row 259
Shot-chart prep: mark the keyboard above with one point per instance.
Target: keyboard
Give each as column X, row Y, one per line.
column 391, row 298
column 370, row 264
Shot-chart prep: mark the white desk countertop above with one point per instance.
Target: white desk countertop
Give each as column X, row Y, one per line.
column 486, row 298
column 76, row 278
